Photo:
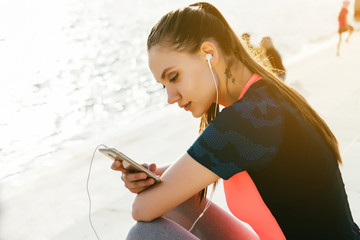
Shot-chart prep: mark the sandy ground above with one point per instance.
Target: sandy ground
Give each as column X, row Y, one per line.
column 50, row 201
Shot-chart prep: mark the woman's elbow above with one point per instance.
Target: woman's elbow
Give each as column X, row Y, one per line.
column 141, row 214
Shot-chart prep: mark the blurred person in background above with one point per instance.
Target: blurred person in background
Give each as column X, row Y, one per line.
column 344, row 26
column 274, row 57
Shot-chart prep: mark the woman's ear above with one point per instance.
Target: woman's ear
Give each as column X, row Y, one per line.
column 209, row 48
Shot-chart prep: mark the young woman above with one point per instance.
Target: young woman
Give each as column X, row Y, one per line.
column 277, row 157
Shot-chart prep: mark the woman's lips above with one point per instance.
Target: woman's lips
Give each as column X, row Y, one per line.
column 187, row 106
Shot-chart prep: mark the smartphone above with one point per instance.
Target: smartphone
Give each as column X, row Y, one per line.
column 127, row 163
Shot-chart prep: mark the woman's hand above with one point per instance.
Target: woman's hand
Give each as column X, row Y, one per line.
column 136, row 182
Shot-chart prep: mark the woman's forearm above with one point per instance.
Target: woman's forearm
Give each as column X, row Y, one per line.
column 181, row 181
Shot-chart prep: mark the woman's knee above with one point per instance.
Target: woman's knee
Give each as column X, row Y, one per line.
column 159, row 228
column 141, row 229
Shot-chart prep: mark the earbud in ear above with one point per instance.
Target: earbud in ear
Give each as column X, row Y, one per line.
column 208, row 56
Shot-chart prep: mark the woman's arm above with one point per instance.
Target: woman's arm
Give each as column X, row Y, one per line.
column 182, row 180
column 160, row 170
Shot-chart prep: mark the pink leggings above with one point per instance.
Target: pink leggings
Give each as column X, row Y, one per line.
column 216, row 223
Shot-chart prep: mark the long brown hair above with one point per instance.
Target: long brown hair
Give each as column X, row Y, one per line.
column 187, row 28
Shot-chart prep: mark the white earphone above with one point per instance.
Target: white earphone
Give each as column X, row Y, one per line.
column 208, row 57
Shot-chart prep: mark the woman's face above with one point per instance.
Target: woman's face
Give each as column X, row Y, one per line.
column 186, row 77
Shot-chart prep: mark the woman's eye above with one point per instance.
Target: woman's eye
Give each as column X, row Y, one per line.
column 174, row 78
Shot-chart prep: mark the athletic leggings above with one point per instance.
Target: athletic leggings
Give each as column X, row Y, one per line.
column 216, row 223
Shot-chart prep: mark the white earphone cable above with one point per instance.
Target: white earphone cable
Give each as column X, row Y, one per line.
column 88, row 190
column 208, row 57
column 217, row 91
column 201, row 214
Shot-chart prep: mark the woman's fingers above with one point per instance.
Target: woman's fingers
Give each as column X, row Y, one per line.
column 152, row 167
column 133, row 177
column 135, row 181
column 118, row 166
column 137, row 186
column 141, row 185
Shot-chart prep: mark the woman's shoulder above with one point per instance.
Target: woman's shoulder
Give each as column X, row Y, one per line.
column 257, row 107
column 259, row 94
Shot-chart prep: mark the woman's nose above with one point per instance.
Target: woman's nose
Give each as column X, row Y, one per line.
column 173, row 95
